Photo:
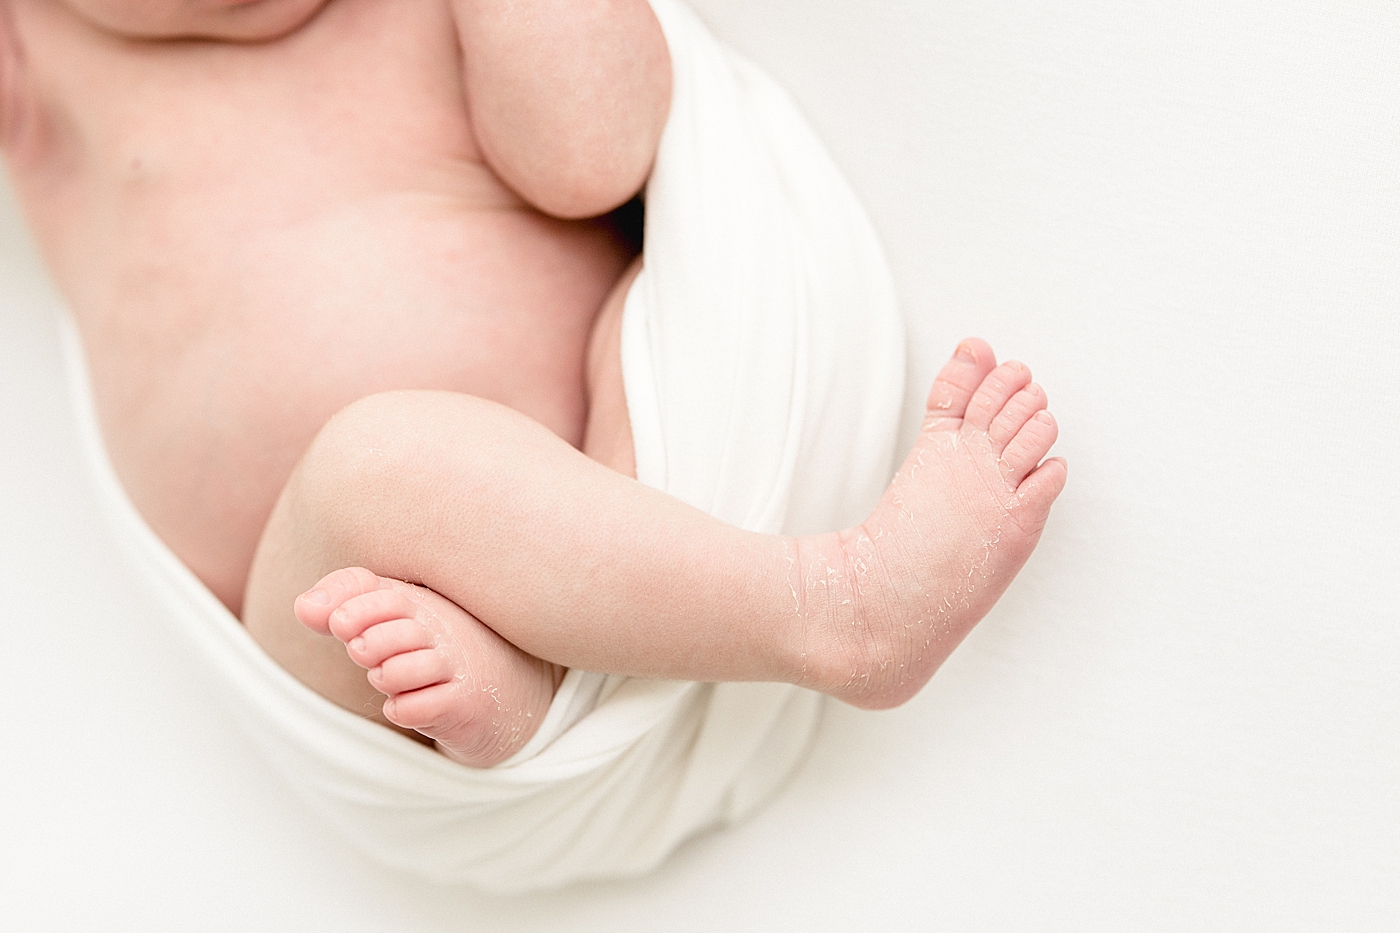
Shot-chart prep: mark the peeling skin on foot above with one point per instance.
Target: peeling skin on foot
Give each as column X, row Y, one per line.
column 952, row 530
column 457, row 683
column 792, row 586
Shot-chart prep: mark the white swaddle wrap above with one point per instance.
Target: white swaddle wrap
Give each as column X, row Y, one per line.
column 763, row 359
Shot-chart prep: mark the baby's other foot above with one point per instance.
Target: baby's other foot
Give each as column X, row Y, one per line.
column 895, row 596
column 445, row 673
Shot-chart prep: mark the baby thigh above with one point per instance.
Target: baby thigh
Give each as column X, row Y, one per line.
column 299, row 546
column 371, row 492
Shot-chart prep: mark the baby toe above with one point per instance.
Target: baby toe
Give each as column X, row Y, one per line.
column 995, row 391
column 1044, row 484
column 380, row 642
column 429, row 710
column 959, row 378
column 360, row 612
column 1029, row 446
column 411, row 670
column 1014, row 415
column 314, row 607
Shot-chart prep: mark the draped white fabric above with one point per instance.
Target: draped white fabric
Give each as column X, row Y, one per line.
column 763, row 358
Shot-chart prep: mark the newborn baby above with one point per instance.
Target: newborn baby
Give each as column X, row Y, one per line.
column 266, row 213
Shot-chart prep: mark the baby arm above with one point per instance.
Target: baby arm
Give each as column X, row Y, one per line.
column 567, row 97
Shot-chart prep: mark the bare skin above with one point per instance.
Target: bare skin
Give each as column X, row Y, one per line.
column 254, row 229
column 502, row 691
column 253, row 234
column 256, row 232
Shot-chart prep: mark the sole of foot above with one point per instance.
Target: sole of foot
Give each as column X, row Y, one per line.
column 954, row 527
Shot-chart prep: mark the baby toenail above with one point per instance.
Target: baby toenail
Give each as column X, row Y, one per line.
column 357, row 644
column 964, row 352
column 317, row 597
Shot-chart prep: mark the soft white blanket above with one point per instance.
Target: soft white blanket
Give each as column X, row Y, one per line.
column 764, row 366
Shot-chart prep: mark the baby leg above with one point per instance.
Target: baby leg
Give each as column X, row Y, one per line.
column 575, row 563
column 447, row 676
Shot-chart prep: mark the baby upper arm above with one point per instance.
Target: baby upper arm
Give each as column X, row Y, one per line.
column 567, row 99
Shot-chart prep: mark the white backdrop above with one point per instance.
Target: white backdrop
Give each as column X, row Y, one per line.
column 1186, row 712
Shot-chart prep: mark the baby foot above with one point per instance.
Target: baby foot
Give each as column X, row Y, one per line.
column 446, row 674
column 895, row 596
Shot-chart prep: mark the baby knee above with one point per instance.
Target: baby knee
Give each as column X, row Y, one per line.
column 394, row 449
column 363, row 451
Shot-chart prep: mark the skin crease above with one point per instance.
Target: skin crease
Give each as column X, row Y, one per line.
column 226, row 20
